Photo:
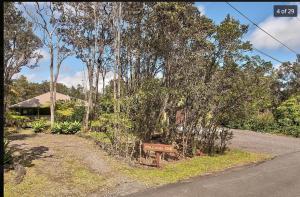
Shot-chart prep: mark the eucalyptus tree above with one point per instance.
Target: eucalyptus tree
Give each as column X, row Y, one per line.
column 45, row 16
column 83, row 29
column 20, row 45
column 289, row 79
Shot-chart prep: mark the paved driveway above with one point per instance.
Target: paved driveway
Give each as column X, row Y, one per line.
column 279, row 177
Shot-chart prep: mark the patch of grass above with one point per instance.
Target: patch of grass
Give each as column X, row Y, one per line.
column 33, row 184
column 180, row 170
column 68, row 178
column 81, row 177
column 99, row 136
column 13, row 130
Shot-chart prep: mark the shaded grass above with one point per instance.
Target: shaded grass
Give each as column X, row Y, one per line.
column 184, row 169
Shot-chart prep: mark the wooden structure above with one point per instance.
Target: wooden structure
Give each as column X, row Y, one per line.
column 158, row 149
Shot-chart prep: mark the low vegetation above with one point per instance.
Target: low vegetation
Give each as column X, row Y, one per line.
column 285, row 119
column 66, row 127
column 179, row 79
column 16, row 120
column 180, row 170
column 7, row 157
column 69, row 111
column 39, row 125
column 71, row 179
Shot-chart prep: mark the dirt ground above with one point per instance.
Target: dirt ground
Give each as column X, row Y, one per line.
column 57, row 158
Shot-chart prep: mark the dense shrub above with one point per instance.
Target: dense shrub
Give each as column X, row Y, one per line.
column 15, row 120
column 291, row 130
column 66, row 127
column 213, row 140
column 261, row 122
column 39, row 125
column 288, row 113
column 107, row 121
column 286, row 120
column 288, row 116
column 145, row 108
column 115, row 135
column 7, row 153
column 69, row 111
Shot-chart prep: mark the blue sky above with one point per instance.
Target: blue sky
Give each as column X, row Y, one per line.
column 286, row 30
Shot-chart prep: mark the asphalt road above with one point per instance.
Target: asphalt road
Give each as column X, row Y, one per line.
column 279, row 177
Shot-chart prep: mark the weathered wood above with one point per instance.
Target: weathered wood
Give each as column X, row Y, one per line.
column 157, row 157
column 158, row 148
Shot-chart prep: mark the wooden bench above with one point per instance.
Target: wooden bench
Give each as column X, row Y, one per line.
column 158, row 149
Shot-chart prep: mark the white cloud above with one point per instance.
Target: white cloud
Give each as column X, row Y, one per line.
column 287, row 30
column 30, row 77
column 80, row 77
column 201, row 9
column 77, row 78
column 45, row 54
column 45, row 58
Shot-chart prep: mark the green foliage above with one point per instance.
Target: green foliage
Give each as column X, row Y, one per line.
column 262, row 122
column 145, row 108
column 288, row 116
column 106, row 104
column 70, row 111
column 14, row 119
column 184, row 169
column 288, row 113
column 286, row 120
column 104, row 137
column 7, row 153
column 39, row 125
column 108, row 121
column 66, row 127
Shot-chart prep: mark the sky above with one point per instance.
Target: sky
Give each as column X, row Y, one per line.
column 287, row 30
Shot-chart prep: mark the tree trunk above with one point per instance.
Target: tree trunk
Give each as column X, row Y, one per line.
column 51, row 88
column 90, row 95
column 103, row 81
column 5, row 95
column 118, row 59
column 97, row 83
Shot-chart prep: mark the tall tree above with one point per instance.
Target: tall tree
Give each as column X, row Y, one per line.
column 288, row 79
column 20, row 45
column 46, row 18
column 81, row 31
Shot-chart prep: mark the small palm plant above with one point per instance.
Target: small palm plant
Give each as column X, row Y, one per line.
column 7, row 153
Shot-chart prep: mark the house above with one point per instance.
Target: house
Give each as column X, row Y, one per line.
column 39, row 105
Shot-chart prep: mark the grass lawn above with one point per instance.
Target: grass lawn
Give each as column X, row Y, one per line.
column 68, row 179
column 173, row 172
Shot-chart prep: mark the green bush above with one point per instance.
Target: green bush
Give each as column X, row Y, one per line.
column 288, row 113
column 289, row 130
column 263, row 122
column 66, row 127
column 39, row 125
column 15, row 120
column 107, row 121
column 7, row 153
column 69, row 111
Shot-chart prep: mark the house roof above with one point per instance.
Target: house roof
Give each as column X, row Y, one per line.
column 40, row 101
